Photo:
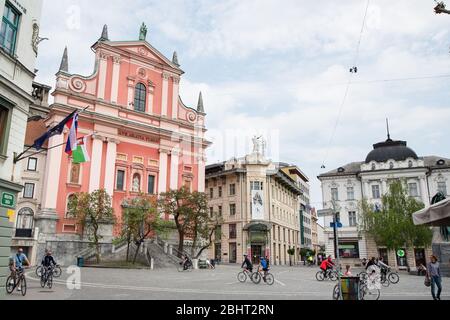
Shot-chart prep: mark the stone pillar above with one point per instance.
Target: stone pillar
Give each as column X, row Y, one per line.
column 47, row 218
column 103, row 64
column 96, row 163
column 130, row 99
column 115, row 79
column 175, row 94
column 384, row 187
column 111, row 154
column 367, row 194
column 201, row 161
column 165, row 94
column 162, row 177
column 151, row 94
column 424, row 192
column 174, row 163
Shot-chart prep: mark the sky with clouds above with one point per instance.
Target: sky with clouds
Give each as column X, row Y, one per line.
column 280, row 68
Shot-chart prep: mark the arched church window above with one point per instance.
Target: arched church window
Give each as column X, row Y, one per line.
column 374, row 166
column 410, row 164
column 70, row 198
column 75, row 173
column 140, row 97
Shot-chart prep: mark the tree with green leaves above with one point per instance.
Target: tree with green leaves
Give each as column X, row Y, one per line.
column 203, row 226
column 190, row 214
column 91, row 210
column 141, row 220
column 392, row 226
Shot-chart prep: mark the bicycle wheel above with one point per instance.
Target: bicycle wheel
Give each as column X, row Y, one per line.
column 50, row 281
column 10, row 285
column 333, row 276
column 256, row 278
column 370, row 294
column 242, row 277
column 320, row 276
column 57, row 272
column 385, row 282
column 270, row 279
column 43, row 281
column 39, row 271
column 180, row 268
column 336, row 293
column 23, row 286
column 394, row 278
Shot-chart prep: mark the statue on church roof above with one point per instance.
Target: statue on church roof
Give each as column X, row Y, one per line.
column 143, row 32
column 259, row 145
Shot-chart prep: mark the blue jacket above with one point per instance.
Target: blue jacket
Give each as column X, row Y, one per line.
column 264, row 264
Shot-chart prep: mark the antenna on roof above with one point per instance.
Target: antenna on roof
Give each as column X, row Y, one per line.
column 388, row 131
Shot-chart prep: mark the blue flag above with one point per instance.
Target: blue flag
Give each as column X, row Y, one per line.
column 56, row 130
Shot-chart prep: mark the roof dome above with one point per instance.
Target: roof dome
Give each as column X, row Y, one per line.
column 391, row 150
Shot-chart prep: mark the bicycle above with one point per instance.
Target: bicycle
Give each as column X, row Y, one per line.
column 268, row 278
column 243, row 275
column 47, row 277
column 17, row 281
column 369, row 293
column 329, row 274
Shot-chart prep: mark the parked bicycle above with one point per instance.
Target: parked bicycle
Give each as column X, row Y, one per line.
column 243, row 275
column 268, row 278
column 329, row 274
column 17, row 281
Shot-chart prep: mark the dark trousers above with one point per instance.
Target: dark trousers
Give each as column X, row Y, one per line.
column 436, row 281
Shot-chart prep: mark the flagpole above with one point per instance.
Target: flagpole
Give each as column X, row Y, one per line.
column 19, row 157
column 54, row 147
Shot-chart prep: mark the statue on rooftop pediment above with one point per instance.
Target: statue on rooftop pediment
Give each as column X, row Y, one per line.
column 143, row 32
column 259, row 145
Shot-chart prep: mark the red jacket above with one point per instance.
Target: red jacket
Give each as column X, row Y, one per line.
column 326, row 264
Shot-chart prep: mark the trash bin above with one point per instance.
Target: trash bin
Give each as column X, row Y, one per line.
column 80, row 262
column 350, row 288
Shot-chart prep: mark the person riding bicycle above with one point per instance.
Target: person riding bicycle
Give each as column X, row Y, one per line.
column 247, row 264
column 310, row 260
column 327, row 265
column 372, row 262
column 18, row 264
column 48, row 261
column 383, row 266
column 186, row 263
column 265, row 267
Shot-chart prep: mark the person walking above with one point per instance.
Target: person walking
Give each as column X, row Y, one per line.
column 434, row 275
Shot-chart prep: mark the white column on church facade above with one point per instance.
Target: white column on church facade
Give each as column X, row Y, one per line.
column 53, row 171
column 424, row 192
column 176, row 92
column 165, row 94
column 162, row 177
column 201, row 173
column 96, row 163
column 174, row 163
column 367, row 194
column 130, row 98
column 102, row 74
column 110, row 171
column 115, row 79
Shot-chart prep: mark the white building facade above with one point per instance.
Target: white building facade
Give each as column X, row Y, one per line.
column 19, row 39
column 347, row 186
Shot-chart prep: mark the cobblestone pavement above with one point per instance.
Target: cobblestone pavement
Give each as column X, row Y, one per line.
column 297, row 283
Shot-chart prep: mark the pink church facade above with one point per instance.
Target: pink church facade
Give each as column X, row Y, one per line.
column 142, row 138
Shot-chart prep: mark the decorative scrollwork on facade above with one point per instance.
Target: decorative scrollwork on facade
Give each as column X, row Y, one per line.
column 78, row 85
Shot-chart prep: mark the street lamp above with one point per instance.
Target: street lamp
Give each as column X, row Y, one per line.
column 334, row 212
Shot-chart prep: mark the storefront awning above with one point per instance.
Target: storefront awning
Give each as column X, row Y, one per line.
column 258, row 226
column 438, row 215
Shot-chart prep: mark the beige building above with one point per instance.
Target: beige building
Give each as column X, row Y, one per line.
column 260, row 206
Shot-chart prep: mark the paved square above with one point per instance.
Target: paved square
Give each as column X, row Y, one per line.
column 297, row 283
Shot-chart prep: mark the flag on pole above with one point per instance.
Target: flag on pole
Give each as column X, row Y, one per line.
column 80, row 155
column 56, row 130
column 72, row 142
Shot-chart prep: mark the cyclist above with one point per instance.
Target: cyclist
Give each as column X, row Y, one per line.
column 327, row 265
column 310, row 260
column 48, row 261
column 372, row 262
column 247, row 264
column 265, row 267
column 18, row 264
column 186, row 263
column 383, row 266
